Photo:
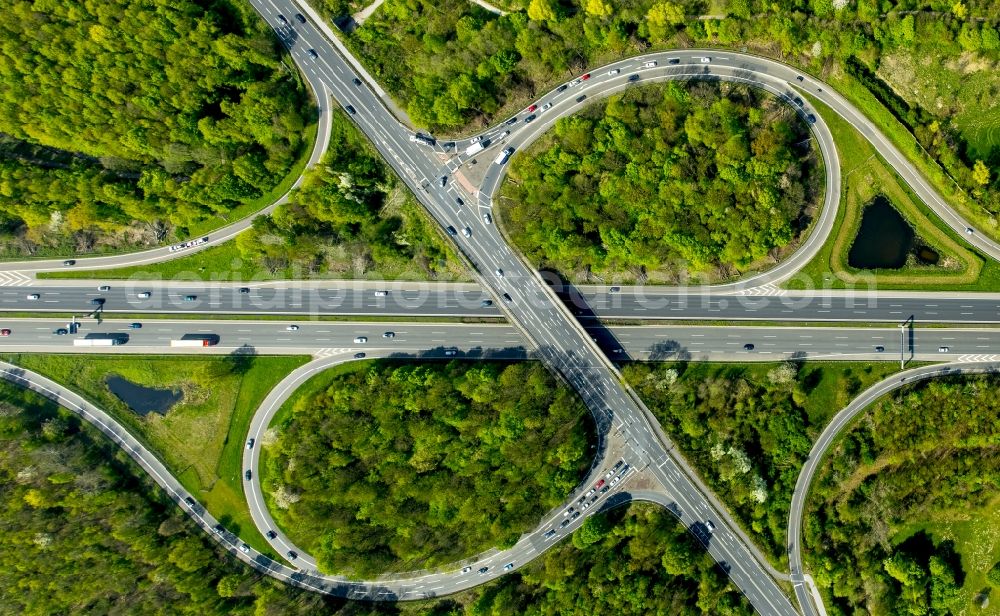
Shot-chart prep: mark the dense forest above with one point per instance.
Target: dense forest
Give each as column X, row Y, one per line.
column 924, row 454
column 662, row 182
column 124, row 123
column 398, row 467
column 748, row 429
column 454, row 64
column 350, row 217
column 86, row 532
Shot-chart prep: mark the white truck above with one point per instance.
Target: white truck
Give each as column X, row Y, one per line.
column 475, row 148
column 504, row 156
column 98, row 341
column 193, row 341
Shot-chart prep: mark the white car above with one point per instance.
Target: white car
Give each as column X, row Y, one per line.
column 381, row 293
column 477, row 139
column 499, row 274
column 969, row 231
column 144, row 295
column 546, row 106
column 360, row 340
column 467, row 232
column 244, row 548
column 943, row 349
column 614, row 71
column 292, row 328
column 650, row 64
column 487, row 218
column 706, row 60
column 104, row 287
column 34, row 296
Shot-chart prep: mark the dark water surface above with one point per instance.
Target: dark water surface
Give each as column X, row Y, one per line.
column 884, row 239
column 142, row 400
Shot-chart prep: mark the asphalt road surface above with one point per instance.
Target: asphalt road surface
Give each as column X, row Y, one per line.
column 549, row 328
column 413, row 299
column 434, row 340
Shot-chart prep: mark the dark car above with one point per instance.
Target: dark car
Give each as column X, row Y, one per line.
column 190, row 298
column 459, row 201
column 512, row 121
column 271, row 534
column 359, row 356
column 312, row 53
column 69, row 262
column 800, row 78
column 350, row 109
column 561, row 88
column 244, row 290
column 674, row 61
column 301, row 19
column 581, row 98
column 292, row 554
column 189, row 501
column 483, row 570
column 97, row 301
column 451, row 231
column 880, row 349
column 62, row 331
column 282, row 19
column 218, row 528
column 748, row 347
column 798, row 101
column 529, row 119
column 633, row 77
column 811, row 118
column 135, row 325
column 247, row 475
column 486, row 303
column 507, row 298
column 356, row 81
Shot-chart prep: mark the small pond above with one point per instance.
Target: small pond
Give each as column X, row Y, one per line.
column 142, row 400
column 884, row 240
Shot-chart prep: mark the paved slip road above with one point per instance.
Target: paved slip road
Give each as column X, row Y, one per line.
column 425, row 299
column 550, row 329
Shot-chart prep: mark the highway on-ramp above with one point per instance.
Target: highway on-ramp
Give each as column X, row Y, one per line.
column 550, row 329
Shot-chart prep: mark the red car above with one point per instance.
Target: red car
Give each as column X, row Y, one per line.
column 4, row 332
column 599, row 484
column 532, row 108
column 585, row 77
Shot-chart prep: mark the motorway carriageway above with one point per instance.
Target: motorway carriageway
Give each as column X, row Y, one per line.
column 465, row 300
column 660, row 342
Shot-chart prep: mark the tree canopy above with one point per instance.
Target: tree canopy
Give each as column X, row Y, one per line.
column 914, row 457
column 401, row 466
column 351, row 217
column 453, row 64
column 661, row 182
column 127, row 121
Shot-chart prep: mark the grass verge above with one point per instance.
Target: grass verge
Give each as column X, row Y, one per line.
column 866, row 175
column 201, row 438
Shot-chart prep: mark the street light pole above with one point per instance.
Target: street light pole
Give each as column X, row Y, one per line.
column 902, row 346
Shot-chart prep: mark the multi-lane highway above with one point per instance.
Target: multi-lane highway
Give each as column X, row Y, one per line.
column 542, row 324
column 444, row 340
column 425, row 299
